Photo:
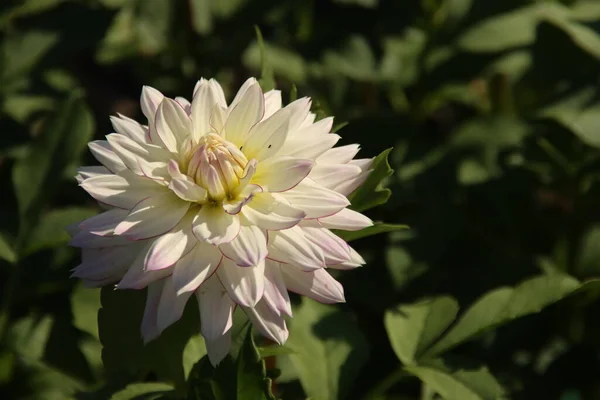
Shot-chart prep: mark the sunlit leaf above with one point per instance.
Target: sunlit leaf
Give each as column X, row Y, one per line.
column 459, row 383
column 503, row 305
column 6, row 251
column 412, row 328
column 321, row 332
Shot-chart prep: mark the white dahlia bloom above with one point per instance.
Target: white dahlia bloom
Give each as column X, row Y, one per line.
column 230, row 203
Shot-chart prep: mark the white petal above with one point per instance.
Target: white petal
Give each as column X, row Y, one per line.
column 173, row 125
column 170, row 247
column 351, row 185
column 207, row 94
column 153, row 216
column 363, row 163
column 84, row 173
column 244, row 197
column 245, row 285
column 105, row 223
column 150, row 100
column 267, row 322
column 318, row 284
column 142, row 159
column 215, row 226
column 278, row 174
column 347, row 220
column 171, row 305
column 217, row 118
column 310, row 142
column 333, row 175
column 124, row 190
column 184, row 103
column 242, row 91
column 219, row 348
column 244, row 115
column 356, row 260
column 271, row 212
column 216, row 308
column 150, row 329
column 272, row 102
column 299, row 110
column 339, row 155
column 276, row 295
column 195, row 267
column 315, row 200
column 184, row 186
column 268, row 136
column 105, row 265
column 249, row 248
column 137, row 277
column 335, row 250
column 106, row 156
column 89, row 240
column 130, row 128
column 292, row 247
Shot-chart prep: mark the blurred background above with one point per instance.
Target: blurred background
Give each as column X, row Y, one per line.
column 493, row 112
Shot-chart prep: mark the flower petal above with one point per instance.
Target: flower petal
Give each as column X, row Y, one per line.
column 150, row 329
column 339, row 155
column 335, row 249
column 207, row 94
column 153, row 216
column 272, row 102
column 244, row 115
column 333, row 175
column 266, row 138
column 249, row 247
column 347, row 220
column 137, row 277
column 355, row 261
column 171, row 305
column 170, row 247
column 142, row 159
column 272, row 213
column 150, row 100
column 130, row 128
column 216, row 309
column 105, row 223
column 315, row 200
column 291, row 246
column 278, row 174
column 276, row 295
column 173, row 125
column 219, row 348
column 267, row 322
column 123, row 190
column 245, row 285
column 215, row 226
column 318, row 284
column 105, row 265
column 106, row 156
column 195, row 267
column 84, row 173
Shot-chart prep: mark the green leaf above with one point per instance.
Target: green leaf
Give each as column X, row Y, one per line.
column 371, row 193
column 321, row 332
column 588, row 260
column 267, row 79
column 85, row 303
column 252, row 382
column 272, row 351
column 376, row 228
column 6, row 251
column 509, row 30
column 506, row 304
column 412, row 328
column 456, row 383
column 125, row 355
column 281, row 61
column 28, row 336
column 193, row 352
column 356, row 60
column 143, row 391
column 51, row 230
column 61, row 143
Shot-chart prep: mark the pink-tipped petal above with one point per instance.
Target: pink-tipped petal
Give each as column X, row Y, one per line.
column 245, row 285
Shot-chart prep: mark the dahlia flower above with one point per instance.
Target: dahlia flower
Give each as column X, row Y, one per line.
column 230, row 203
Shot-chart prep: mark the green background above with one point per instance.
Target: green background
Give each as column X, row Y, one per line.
column 493, row 112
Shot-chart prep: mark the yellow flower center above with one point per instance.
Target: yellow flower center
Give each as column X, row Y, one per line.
column 216, row 165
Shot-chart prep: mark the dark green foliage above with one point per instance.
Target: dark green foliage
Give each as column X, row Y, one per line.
column 484, row 120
